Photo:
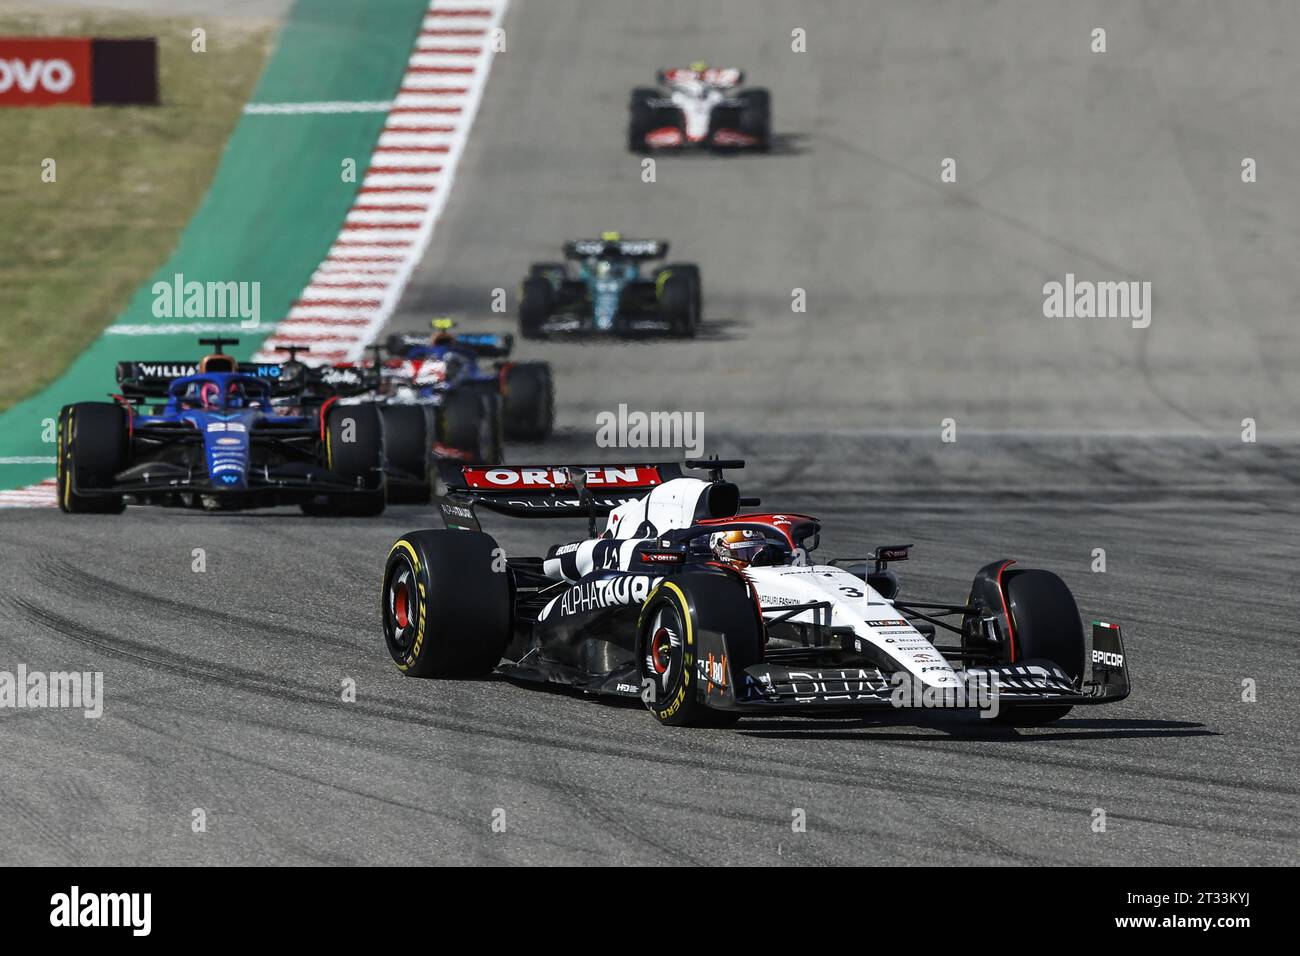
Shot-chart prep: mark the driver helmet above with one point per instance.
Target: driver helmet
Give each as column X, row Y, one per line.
column 442, row 331
column 738, row 548
column 603, row 268
column 207, row 395
column 235, row 395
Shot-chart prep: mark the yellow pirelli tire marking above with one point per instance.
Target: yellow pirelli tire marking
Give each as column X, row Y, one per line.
column 686, row 611
column 661, row 282
column 419, row 627
column 687, row 657
column 403, row 543
column 67, row 472
column 690, row 641
column 640, row 617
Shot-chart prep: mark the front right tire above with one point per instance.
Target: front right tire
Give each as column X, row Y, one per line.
column 536, row 303
column 640, row 120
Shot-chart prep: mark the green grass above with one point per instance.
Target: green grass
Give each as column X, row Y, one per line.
column 72, row 252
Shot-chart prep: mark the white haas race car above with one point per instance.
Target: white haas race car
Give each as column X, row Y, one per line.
column 708, row 614
column 699, row 107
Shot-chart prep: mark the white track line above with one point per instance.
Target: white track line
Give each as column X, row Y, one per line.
column 185, row 328
column 340, row 106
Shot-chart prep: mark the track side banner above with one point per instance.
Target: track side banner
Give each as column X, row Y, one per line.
column 78, row 71
column 45, row 71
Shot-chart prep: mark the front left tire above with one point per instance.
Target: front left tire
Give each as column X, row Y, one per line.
column 640, row 120
column 536, row 303
column 446, row 604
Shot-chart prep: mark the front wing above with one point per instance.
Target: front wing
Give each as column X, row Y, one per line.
column 771, row 687
column 584, row 323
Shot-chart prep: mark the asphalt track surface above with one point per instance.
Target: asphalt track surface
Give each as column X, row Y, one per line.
column 223, row 688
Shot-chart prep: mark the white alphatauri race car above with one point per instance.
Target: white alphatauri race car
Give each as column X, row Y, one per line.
column 699, row 106
column 709, row 614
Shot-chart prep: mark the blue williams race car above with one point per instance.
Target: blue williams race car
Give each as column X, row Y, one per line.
column 218, row 434
column 609, row 290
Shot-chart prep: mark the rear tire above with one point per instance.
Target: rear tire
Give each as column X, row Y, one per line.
column 354, row 452
column 93, row 445
column 535, row 306
column 1047, row 626
column 408, row 443
column 446, row 608
column 528, row 401
column 469, row 420
column 671, row 618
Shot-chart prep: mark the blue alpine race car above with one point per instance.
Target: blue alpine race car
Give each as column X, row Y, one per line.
column 609, row 291
column 218, row 434
column 473, row 406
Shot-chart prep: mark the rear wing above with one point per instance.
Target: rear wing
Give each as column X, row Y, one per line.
column 611, row 248
column 486, row 345
column 343, row 379
column 721, row 77
column 480, row 344
column 152, row 379
column 545, row 491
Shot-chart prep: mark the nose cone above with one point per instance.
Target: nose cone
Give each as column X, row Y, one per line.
column 225, row 443
column 879, row 622
column 605, row 302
